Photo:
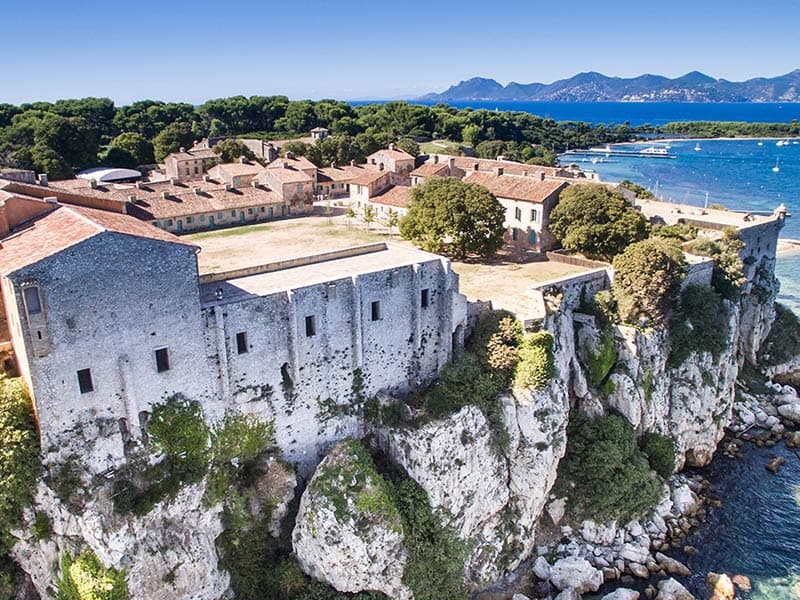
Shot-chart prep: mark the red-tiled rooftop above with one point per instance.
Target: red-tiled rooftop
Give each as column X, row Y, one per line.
column 516, row 187
column 397, row 196
column 344, row 173
column 65, row 226
column 368, row 177
column 430, row 170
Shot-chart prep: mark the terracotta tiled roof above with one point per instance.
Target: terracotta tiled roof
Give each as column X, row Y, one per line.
column 284, row 175
column 430, row 170
column 196, row 197
column 394, row 154
column 234, row 169
column 516, row 187
column 345, row 173
column 368, row 177
column 64, row 227
column 397, row 195
column 467, row 163
column 293, row 162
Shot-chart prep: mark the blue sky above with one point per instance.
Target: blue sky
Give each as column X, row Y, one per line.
column 350, row 49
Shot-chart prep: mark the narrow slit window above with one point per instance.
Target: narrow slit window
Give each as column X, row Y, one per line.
column 162, row 360
column 85, row 381
column 33, row 303
column 375, row 310
column 425, row 298
column 241, row 342
column 518, row 213
column 311, row 326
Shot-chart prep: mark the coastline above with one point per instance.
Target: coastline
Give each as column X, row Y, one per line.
column 721, row 139
column 787, row 246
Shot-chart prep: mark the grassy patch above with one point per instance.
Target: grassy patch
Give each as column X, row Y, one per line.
column 86, row 578
column 600, row 363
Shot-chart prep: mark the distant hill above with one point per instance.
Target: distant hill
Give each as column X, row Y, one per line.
column 596, row 87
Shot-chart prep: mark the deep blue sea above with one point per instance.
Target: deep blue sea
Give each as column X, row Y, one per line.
column 639, row 113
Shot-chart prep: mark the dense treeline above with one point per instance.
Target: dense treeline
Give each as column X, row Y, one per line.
column 715, row 129
column 69, row 135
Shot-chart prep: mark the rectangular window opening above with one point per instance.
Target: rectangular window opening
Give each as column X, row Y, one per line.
column 425, row 298
column 376, row 311
column 85, row 381
column 518, row 214
column 311, row 326
column 162, row 360
column 241, row 342
column 33, row 303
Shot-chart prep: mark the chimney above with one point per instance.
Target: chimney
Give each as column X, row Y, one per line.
column 196, row 191
column 524, row 172
column 255, row 183
column 352, row 163
column 165, row 195
column 541, row 175
column 183, row 149
column 290, row 155
column 93, row 184
column 242, row 160
column 436, row 159
column 174, row 181
column 475, row 166
column 51, row 199
column 139, row 185
column 498, row 171
column 228, row 187
column 391, row 146
column 451, row 164
column 286, row 164
column 132, row 198
column 380, row 167
column 206, row 178
column 43, row 179
column 333, row 165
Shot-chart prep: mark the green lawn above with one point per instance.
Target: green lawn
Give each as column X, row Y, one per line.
column 441, row 147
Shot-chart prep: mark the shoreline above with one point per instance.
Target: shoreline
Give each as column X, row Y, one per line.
column 721, row 139
column 787, row 246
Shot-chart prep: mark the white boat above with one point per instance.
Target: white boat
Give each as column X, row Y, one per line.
column 777, row 167
column 653, row 151
column 697, row 147
column 760, row 143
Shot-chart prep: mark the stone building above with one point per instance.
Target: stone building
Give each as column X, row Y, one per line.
column 108, row 315
column 186, row 165
column 393, row 159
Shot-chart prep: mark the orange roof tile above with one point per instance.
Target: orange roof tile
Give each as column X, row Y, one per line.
column 397, row 195
column 369, row 177
column 430, row 170
column 64, row 227
column 516, row 187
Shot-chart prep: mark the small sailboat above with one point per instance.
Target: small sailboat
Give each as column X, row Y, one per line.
column 760, row 143
column 697, row 147
column 777, row 166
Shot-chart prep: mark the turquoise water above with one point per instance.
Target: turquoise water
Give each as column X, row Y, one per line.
column 736, row 173
column 755, row 531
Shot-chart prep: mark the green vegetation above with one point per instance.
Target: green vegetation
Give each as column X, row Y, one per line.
column 447, row 214
column 728, row 276
column 700, row 325
column 601, row 363
column 232, row 150
column 647, row 281
column 714, row 129
column 62, row 137
column 20, row 468
column 641, row 192
column 86, row 578
column 679, row 231
column 603, row 473
column 660, row 452
column 783, row 342
column 497, row 356
column 435, row 566
column 129, row 150
column 596, row 221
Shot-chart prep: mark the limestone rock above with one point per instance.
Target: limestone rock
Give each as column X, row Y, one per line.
column 575, row 573
column 541, row 568
column 568, row 594
column 556, row 510
column 669, row 589
column 638, row 570
column 348, row 532
column 622, row 594
column 672, row 566
column 722, row 586
column 790, row 412
column 519, row 597
column 685, row 500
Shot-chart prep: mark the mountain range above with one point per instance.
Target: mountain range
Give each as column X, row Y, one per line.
column 596, row 87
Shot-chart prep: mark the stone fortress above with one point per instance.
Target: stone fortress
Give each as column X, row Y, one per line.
column 107, row 315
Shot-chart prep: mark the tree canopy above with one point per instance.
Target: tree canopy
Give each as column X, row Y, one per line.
column 232, row 150
column 647, row 280
column 596, row 221
column 447, row 214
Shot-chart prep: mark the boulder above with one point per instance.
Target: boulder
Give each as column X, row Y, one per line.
column 348, row 532
column 519, row 597
column 634, row 553
column 722, row 586
column 775, row 464
column 790, row 412
column 576, row 573
column 639, row 570
column 622, row 594
column 742, row 582
column 568, row 594
column 685, row 500
column 672, row 566
column 541, row 568
column 556, row 510
column 669, row 589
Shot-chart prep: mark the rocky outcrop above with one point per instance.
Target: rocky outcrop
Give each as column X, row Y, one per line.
column 348, row 532
column 167, row 554
column 577, row 574
column 669, row 589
